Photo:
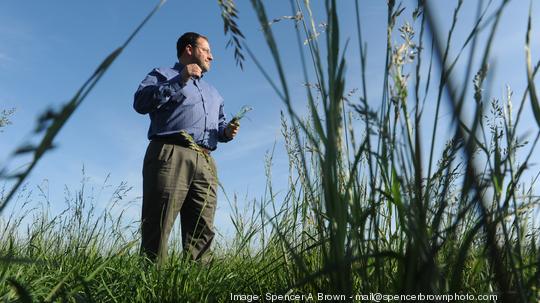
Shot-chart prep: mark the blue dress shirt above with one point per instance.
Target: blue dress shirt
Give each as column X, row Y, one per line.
column 195, row 107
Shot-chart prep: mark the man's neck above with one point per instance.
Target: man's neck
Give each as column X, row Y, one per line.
column 184, row 61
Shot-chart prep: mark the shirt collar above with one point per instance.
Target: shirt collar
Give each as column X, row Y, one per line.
column 178, row 66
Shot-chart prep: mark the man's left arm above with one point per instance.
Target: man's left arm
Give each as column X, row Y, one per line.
column 226, row 131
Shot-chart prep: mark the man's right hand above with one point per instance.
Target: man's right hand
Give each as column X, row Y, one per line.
column 190, row 70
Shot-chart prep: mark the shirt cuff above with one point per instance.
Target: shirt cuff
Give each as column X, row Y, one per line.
column 176, row 90
column 222, row 137
column 163, row 95
column 177, row 86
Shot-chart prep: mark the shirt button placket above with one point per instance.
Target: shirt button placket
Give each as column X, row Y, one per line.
column 205, row 133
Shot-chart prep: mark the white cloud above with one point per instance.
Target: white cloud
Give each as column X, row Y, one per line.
column 5, row 58
column 249, row 140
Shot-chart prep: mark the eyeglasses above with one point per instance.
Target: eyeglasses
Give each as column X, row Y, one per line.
column 206, row 50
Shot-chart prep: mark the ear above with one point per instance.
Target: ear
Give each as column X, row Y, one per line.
column 189, row 49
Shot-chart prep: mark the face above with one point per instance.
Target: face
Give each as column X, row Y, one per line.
column 202, row 54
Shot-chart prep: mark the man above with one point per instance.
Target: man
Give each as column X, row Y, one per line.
column 179, row 174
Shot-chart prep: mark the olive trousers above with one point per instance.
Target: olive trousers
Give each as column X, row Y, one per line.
column 176, row 180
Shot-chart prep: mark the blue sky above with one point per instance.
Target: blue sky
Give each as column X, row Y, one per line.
column 49, row 49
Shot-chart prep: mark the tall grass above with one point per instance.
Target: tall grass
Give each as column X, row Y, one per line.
column 4, row 117
column 381, row 221
column 367, row 208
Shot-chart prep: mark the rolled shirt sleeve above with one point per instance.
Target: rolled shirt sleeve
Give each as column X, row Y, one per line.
column 156, row 90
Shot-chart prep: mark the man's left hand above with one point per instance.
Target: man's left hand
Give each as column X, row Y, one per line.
column 232, row 129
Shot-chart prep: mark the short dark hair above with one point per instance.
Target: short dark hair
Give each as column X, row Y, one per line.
column 189, row 38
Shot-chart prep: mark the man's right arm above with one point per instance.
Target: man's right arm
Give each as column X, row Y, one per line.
column 154, row 91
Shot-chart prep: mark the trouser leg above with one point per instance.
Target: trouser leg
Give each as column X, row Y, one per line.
column 167, row 172
column 198, row 210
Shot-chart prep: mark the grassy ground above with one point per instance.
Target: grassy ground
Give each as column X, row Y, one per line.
column 83, row 256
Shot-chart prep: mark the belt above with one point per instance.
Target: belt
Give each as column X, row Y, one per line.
column 180, row 141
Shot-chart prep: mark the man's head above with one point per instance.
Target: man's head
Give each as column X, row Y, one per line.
column 194, row 48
